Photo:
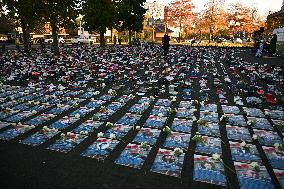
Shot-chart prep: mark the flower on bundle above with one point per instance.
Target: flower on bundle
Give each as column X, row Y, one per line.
column 251, row 122
column 76, row 105
column 194, row 118
column 254, row 137
column 224, row 119
column 19, row 100
column 255, row 166
column 202, row 122
column 61, row 88
column 279, row 147
column 206, row 112
column 95, row 117
column 152, row 97
column 45, row 128
column 77, row 116
column 136, row 127
column 100, row 134
column 109, row 91
column 7, row 110
column 31, row 103
column 50, row 116
column 194, row 102
column 113, row 93
column 8, row 98
column 62, row 135
column 34, row 112
column 112, row 136
column 131, row 96
column 32, row 126
column 279, row 126
column 174, row 98
column 83, row 133
column 178, row 152
column 172, row 111
column 160, row 115
column 92, row 99
column 97, row 93
column 216, row 157
column 193, row 110
column 145, row 145
column 109, row 125
column 167, row 130
column 199, row 139
column 244, row 145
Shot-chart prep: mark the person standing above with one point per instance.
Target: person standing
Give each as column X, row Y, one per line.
column 260, row 49
column 114, row 39
column 272, row 45
column 166, row 44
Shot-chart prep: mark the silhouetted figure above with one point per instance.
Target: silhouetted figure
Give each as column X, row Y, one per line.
column 114, row 40
column 166, row 44
column 119, row 40
column 272, row 46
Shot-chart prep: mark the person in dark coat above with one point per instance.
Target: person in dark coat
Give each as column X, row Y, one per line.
column 166, row 44
column 114, row 40
column 272, row 46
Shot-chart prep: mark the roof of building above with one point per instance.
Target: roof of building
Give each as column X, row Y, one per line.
column 161, row 28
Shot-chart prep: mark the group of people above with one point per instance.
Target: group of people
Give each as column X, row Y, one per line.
column 263, row 46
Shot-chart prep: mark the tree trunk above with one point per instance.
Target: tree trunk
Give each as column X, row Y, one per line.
column 25, row 36
column 179, row 35
column 102, row 39
column 130, row 34
column 111, row 35
column 210, row 34
column 55, row 38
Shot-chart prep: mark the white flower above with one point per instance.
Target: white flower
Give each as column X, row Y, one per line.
column 243, row 144
column 83, row 133
column 131, row 96
column 32, row 126
column 62, row 135
column 174, row 99
column 92, row 99
column 194, row 118
column 178, row 151
column 276, row 145
column 97, row 93
column 34, row 112
column 255, row 137
column 254, row 164
column 110, row 91
column 51, row 115
column 194, row 110
column 100, row 134
column 216, row 156
column 109, row 124
column 137, row 128
column 160, row 115
column 152, row 97
column 77, row 116
column 45, row 128
column 112, row 136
